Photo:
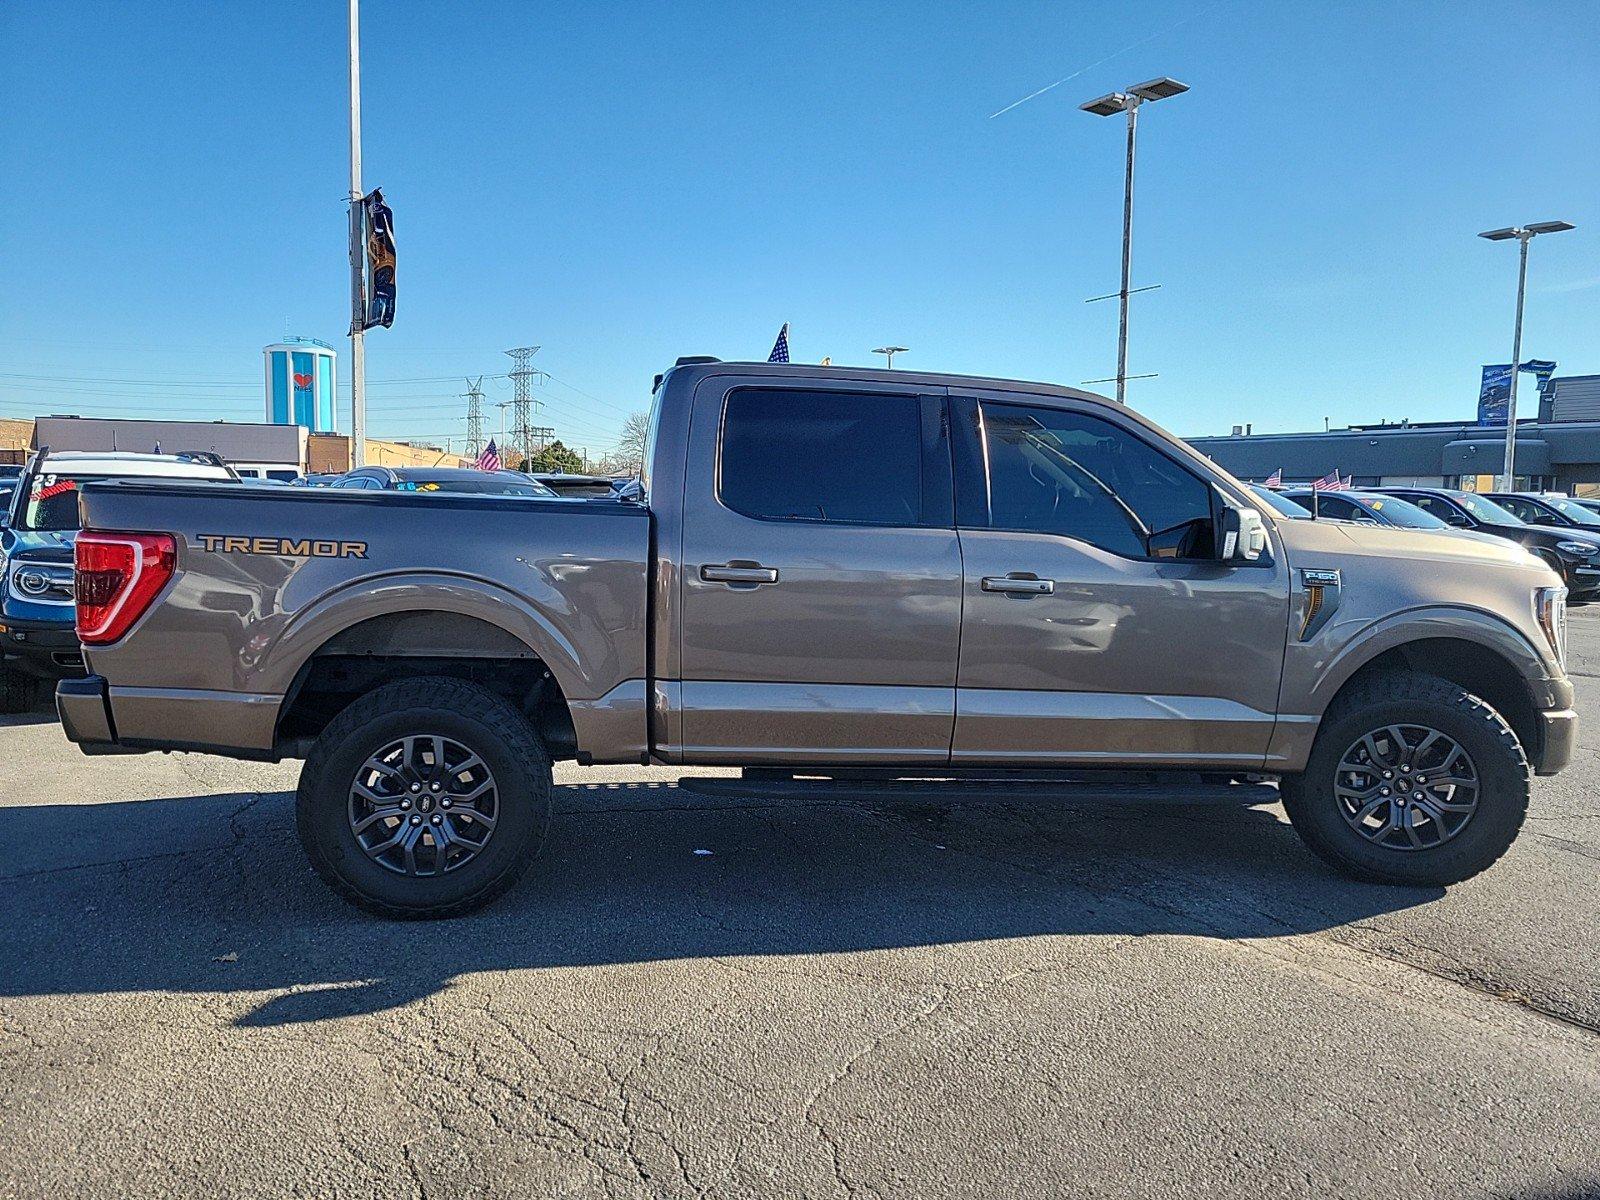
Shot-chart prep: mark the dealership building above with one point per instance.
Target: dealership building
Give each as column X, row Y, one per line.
column 1557, row 451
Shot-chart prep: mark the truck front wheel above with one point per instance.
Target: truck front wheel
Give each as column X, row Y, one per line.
column 426, row 798
column 1412, row 780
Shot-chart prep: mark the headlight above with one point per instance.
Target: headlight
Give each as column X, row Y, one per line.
column 1577, row 549
column 1550, row 610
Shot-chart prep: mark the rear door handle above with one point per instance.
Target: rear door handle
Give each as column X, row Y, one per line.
column 746, row 575
column 1019, row 585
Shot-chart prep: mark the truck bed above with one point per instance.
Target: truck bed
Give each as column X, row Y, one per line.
column 268, row 580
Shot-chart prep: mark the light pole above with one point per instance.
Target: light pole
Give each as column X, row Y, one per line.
column 358, row 301
column 1106, row 106
column 890, row 351
column 502, row 405
column 1524, row 234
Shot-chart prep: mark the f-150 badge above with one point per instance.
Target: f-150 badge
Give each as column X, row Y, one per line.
column 283, row 547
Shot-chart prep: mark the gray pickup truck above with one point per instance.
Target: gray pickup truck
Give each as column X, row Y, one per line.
column 832, row 572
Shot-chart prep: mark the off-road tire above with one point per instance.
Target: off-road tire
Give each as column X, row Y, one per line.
column 1406, row 697
column 464, row 712
column 19, row 693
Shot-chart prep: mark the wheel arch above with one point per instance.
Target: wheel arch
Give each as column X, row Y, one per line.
column 422, row 643
column 1476, row 649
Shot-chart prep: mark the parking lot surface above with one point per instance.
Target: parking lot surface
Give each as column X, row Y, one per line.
column 740, row 996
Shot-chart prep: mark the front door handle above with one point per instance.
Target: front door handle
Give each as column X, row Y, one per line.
column 1018, row 584
column 739, row 574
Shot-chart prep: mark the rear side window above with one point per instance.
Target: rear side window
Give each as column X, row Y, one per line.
column 822, row 456
column 1068, row 473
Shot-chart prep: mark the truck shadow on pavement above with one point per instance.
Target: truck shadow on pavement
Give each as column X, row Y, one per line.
column 212, row 894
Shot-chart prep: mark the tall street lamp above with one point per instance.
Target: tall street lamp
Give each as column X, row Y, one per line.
column 890, row 351
column 1106, row 106
column 1524, row 234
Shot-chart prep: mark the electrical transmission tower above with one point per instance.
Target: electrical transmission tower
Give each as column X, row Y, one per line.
column 475, row 417
column 522, row 376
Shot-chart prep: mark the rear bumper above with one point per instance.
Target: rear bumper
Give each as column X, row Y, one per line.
column 1558, row 738
column 44, row 649
column 100, row 719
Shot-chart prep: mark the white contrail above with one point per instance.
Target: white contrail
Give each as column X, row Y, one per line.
column 1101, row 62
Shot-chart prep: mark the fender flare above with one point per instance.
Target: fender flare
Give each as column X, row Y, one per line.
column 411, row 592
column 1447, row 621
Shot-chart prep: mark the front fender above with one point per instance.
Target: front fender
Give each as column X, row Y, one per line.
column 1335, row 656
column 1315, row 671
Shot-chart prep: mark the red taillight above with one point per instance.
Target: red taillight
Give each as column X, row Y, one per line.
column 119, row 574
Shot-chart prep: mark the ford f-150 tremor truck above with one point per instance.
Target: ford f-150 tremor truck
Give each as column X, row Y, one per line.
column 829, row 571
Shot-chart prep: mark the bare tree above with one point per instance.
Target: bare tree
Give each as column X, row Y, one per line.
column 630, row 446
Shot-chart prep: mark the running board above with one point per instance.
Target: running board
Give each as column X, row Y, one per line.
column 1073, row 786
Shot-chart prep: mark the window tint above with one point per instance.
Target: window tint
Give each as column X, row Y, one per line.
column 823, row 456
column 1341, row 509
column 1078, row 476
column 1440, row 507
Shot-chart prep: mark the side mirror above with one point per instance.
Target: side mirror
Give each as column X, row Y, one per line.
column 1244, row 535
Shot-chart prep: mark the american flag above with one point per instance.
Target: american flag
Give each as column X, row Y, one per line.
column 489, row 460
column 780, row 348
column 1331, row 482
column 1275, row 480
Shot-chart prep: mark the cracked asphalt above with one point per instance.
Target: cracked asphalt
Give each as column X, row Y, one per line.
column 922, row 997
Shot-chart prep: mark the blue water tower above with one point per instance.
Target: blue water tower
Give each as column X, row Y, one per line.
column 300, row 384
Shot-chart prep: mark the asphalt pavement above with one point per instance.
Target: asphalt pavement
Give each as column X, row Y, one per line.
column 738, row 996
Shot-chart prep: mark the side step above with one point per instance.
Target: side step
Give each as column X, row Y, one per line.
column 1092, row 787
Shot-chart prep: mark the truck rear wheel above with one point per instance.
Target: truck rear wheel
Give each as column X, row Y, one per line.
column 424, row 799
column 1413, row 780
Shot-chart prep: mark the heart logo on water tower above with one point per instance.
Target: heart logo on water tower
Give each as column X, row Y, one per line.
column 302, row 382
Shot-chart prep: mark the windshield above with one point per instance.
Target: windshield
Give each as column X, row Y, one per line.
column 1487, row 511
column 52, row 503
column 1278, row 503
column 479, row 487
column 1402, row 512
column 1573, row 511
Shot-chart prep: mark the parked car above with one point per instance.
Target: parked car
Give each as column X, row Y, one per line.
column 583, row 487
column 832, row 570
column 1537, row 508
column 1571, row 553
column 316, row 479
column 1589, row 502
column 429, row 480
column 37, row 642
column 1367, row 508
column 543, row 490
column 1273, row 500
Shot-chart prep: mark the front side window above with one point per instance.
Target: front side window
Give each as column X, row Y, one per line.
column 822, row 456
column 1071, row 474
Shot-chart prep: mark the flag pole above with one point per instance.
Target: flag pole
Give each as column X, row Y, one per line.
column 358, row 304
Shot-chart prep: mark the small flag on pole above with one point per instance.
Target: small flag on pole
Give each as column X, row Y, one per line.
column 1275, row 480
column 489, row 460
column 780, row 348
column 1331, row 482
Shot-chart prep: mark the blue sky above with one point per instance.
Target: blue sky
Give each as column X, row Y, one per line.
column 625, row 183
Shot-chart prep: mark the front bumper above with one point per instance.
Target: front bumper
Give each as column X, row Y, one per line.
column 1558, row 738
column 44, row 649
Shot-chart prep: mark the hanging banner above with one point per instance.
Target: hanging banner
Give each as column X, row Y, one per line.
column 1494, row 394
column 380, row 260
